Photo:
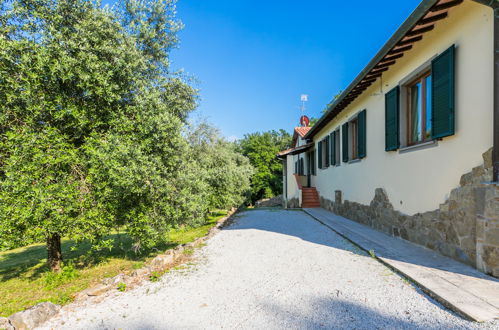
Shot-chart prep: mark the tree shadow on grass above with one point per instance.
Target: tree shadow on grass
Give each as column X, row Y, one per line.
column 29, row 262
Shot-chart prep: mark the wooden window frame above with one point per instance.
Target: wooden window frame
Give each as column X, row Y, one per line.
column 338, row 147
column 420, row 79
column 324, row 154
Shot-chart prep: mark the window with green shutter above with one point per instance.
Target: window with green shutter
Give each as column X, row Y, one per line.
column 443, row 94
column 361, row 131
column 326, row 151
column 392, row 108
column 344, row 137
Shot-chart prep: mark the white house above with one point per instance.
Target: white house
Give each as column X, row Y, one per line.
column 411, row 147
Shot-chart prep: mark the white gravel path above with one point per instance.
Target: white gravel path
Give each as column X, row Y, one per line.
column 272, row 269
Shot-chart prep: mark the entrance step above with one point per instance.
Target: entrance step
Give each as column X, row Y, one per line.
column 310, row 198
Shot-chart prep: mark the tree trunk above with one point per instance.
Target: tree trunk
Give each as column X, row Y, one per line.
column 54, row 252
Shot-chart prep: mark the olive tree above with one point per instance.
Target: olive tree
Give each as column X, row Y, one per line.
column 90, row 123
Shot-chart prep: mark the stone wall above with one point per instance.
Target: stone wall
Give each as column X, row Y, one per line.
column 293, row 203
column 465, row 227
column 487, row 230
column 270, row 202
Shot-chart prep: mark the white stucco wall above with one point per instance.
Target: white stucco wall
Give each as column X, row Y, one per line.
column 420, row 180
column 292, row 186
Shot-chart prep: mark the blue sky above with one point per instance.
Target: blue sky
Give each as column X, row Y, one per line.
column 253, row 58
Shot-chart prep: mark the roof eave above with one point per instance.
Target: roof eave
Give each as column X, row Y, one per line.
column 416, row 15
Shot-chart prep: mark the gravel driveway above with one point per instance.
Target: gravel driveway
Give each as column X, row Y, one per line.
column 272, row 269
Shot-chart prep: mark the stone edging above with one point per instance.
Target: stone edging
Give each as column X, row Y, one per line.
column 42, row 312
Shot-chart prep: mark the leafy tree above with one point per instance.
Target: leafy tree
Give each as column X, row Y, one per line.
column 226, row 172
column 262, row 149
column 90, row 120
column 313, row 121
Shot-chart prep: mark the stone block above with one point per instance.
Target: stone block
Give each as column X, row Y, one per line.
column 487, row 158
column 492, row 237
column 34, row 316
column 141, row 273
column 466, row 179
column 490, row 256
column 161, row 262
column 114, row 281
column 338, row 197
column 5, row 324
column 97, row 290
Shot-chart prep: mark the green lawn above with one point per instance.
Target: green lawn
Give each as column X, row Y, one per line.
column 25, row 279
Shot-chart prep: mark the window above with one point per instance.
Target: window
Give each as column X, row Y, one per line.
column 324, row 153
column 299, row 167
column 422, row 109
column 419, row 109
column 354, row 130
column 354, row 138
column 335, row 148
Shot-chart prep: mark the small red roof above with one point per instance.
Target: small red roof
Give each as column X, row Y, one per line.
column 302, row 131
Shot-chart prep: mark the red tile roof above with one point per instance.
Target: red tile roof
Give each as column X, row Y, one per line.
column 302, row 130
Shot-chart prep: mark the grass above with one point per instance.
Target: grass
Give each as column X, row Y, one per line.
column 25, row 279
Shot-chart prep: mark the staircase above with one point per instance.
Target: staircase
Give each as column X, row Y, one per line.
column 310, row 198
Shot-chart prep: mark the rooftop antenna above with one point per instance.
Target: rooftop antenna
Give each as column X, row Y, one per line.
column 303, row 98
column 304, row 121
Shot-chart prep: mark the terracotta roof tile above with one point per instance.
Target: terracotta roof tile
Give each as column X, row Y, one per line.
column 302, row 130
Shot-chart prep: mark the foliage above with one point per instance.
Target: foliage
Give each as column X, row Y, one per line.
column 225, row 171
column 121, row 287
column 262, row 149
column 54, row 280
column 314, row 120
column 91, row 122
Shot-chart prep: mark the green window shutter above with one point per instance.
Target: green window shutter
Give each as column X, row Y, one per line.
column 344, row 138
column 319, row 155
column 443, row 94
column 313, row 162
column 326, row 145
column 392, row 112
column 361, row 140
column 332, row 141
